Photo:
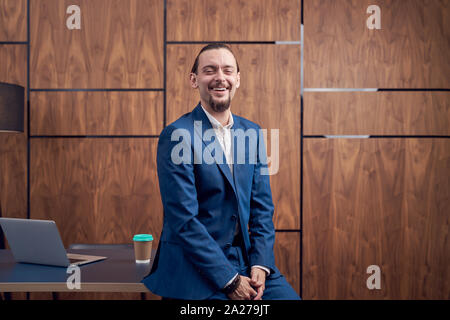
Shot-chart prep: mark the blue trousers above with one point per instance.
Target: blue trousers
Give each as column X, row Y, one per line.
column 277, row 288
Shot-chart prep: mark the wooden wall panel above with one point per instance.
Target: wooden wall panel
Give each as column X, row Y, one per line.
column 409, row 51
column 376, row 202
column 181, row 98
column 96, row 190
column 233, row 20
column 13, row 146
column 120, row 44
column 269, row 95
column 13, row 66
column 373, row 201
column 96, row 113
column 377, row 113
column 287, row 257
column 13, row 20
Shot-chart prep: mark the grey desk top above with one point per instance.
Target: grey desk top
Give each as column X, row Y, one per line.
column 119, row 269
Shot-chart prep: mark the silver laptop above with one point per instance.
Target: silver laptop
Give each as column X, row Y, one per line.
column 38, row 241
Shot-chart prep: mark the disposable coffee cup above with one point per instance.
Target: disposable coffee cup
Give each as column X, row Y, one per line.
column 142, row 247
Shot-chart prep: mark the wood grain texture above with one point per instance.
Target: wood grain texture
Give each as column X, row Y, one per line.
column 376, row 202
column 13, row 66
column 13, row 146
column 269, row 95
column 409, row 51
column 13, row 20
column 287, row 257
column 96, row 113
column 96, row 190
column 233, row 20
column 376, row 113
column 120, row 44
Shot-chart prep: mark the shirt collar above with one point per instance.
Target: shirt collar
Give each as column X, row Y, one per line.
column 216, row 124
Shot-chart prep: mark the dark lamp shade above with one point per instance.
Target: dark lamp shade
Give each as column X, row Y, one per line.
column 11, row 107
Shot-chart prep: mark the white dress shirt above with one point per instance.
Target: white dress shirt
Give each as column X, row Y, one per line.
column 223, row 134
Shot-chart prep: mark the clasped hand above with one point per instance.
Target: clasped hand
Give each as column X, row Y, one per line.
column 250, row 288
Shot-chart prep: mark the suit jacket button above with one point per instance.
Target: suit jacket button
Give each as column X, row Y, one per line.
column 228, row 245
column 233, row 217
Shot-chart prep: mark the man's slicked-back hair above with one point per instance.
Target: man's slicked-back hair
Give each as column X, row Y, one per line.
column 212, row 46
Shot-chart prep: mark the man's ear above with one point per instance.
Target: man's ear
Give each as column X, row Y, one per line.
column 238, row 81
column 193, row 79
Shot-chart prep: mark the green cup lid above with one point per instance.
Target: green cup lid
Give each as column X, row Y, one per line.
column 143, row 237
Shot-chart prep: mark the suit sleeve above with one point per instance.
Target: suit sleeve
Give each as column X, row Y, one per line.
column 261, row 228
column 179, row 197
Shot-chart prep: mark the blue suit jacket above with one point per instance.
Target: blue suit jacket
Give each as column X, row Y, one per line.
column 202, row 204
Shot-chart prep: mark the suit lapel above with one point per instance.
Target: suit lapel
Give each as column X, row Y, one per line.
column 236, row 167
column 199, row 115
column 238, row 173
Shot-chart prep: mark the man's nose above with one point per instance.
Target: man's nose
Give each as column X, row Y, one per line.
column 220, row 76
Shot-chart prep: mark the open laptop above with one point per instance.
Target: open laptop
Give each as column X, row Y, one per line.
column 38, row 241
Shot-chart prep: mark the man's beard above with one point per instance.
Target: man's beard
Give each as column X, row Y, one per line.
column 219, row 106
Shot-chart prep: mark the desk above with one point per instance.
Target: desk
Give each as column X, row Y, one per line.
column 118, row 273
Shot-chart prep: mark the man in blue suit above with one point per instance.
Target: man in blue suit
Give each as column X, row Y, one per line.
column 218, row 234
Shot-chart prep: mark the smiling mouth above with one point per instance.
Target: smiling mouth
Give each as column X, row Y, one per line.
column 219, row 89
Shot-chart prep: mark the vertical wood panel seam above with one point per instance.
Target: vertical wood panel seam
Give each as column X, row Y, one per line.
column 28, row 118
column 28, row 109
column 301, row 14
column 165, row 65
column 302, row 43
